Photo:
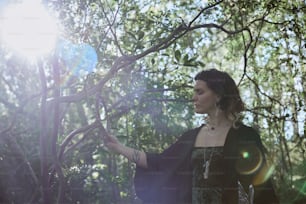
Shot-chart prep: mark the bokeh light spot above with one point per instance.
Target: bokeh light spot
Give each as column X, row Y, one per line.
column 245, row 155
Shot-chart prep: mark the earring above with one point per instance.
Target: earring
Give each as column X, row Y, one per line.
column 217, row 105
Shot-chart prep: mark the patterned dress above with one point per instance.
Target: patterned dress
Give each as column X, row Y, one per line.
column 207, row 180
column 209, row 189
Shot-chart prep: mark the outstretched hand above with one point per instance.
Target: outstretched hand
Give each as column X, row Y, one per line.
column 134, row 155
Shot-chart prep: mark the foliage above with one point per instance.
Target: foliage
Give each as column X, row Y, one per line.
column 53, row 123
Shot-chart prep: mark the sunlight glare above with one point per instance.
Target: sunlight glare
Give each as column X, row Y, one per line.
column 28, row 29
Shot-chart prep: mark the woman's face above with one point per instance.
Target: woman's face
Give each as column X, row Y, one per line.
column 204, row 99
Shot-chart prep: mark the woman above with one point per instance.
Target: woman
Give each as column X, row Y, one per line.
column 217, row 162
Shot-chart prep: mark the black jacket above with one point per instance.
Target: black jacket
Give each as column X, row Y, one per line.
column 168, row 178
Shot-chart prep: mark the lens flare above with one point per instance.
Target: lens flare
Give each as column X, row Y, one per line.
column 250, row 160
column 303, row 189
column 300, row 186
column 77, row 58
column 245, row 155
column 27, row 29
column 264, row 174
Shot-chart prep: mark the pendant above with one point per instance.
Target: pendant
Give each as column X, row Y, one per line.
column 206, row 169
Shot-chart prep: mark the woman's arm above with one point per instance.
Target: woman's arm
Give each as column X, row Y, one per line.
column 134, row 155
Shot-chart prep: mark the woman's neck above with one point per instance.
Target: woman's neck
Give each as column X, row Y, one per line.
column 215, row 121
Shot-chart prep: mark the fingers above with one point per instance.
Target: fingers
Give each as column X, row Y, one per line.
column 112, row 147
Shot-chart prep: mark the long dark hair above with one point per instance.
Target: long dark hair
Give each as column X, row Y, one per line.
column 225, row 87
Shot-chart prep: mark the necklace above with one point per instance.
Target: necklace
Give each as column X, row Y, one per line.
column 212, row 128
column 206, row 163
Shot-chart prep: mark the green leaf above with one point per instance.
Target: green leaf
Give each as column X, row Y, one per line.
column 177, row 55
column 202, row 64
column 140, row 35
column 186, row 59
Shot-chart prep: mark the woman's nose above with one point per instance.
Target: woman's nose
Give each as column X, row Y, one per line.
column 194, row 98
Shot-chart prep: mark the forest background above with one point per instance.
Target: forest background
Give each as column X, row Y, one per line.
column 134, row 80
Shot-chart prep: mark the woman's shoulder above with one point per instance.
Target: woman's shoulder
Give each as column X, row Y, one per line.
column 247, row 133
column 194, row 130
column 190, row 133
column 243, row 128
